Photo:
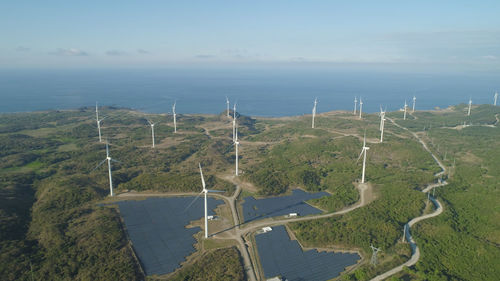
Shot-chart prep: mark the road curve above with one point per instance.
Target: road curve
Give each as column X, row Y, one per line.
column 439, row 209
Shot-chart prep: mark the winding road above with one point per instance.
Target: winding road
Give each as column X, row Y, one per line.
column 439, row 209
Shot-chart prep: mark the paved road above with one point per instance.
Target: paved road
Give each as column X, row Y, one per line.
column 439, row 209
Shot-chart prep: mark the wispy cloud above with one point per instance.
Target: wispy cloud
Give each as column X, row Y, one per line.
column 115, row 53
column 69, row 52
column 489, row 57
column 204, row 56
column 22, row 49
column 142, row 51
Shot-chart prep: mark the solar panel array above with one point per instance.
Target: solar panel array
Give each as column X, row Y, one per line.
column 283, row 257
column 157, row 229
column 283, row 205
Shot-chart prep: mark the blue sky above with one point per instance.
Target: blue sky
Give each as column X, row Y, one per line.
column 425, row 35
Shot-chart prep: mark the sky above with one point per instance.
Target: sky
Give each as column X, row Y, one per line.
column 410, row 35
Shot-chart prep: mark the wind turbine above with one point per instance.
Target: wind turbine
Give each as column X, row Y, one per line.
column 470, row 104
column 495, row 99
column 355, row 105
column 234, row 121
column 363, row 153
column 406, row 106
column 360, row 108
column 109, row 159
column 175, row 117
column 382, row 123
column 152, row 131
column 414, row 101
column 227, row 106
column 204, row 191
column 314, row 111
column 236, row 144
column 98, row 121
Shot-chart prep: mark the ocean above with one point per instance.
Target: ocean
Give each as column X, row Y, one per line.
column 257, row 92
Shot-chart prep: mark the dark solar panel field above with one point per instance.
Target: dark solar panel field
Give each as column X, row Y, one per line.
column 157, row 229
column 278, row 206
column 283, row 257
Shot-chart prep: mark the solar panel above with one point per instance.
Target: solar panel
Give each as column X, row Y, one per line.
column 281, row 256
column 157, row 229
column 279, row 206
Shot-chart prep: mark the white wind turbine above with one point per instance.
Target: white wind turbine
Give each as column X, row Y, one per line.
column 355, row 105
column 234, row 121
column 175, row 117
column 470, row 104
column 152, row 131
column 363, row 153
column 204, row 191
column 414, row 101
column 360, row 108
column 406, row 106
column 382, row 123
column 236, row 144
column 314, row 111
column 109, row 159
column 98, row 121
column 495, row 97
column 227, row 106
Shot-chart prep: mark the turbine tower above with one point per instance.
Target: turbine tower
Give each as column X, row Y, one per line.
column 470, row 104
column 495, row 99
column 236, row 144
column 414, row 101
column 152, row 131
column 360, row 108
column 175, row 117
column 98, row 121
column 227, row 106
column 314, row 111
column 234, row 122
column 355, row 105
column 382, row 124
column 204, row 191
column 406, row 106
column 108, row 159
column 363, row 153
column 374, row 255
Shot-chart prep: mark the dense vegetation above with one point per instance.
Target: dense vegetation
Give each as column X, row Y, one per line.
column 464, row 242
column 52, row 226
column 217, row 265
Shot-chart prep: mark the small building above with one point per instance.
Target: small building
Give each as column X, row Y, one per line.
column 210, row 218
column 292, row 215
column 267, row 229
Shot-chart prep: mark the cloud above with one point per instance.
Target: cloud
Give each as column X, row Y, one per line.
column 115, row 53
column 69, row 52
column 489, row 57
column 204, row 56
column 142, row 51
column 22, row 49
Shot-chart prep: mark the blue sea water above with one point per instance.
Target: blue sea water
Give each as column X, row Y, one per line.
column 258, row 92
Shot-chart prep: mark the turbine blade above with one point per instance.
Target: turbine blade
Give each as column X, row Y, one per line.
column 192, row 202
column 117, row 161
column 107, row 149
column 362, row 150
column 98, row 165
column 202, row 179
